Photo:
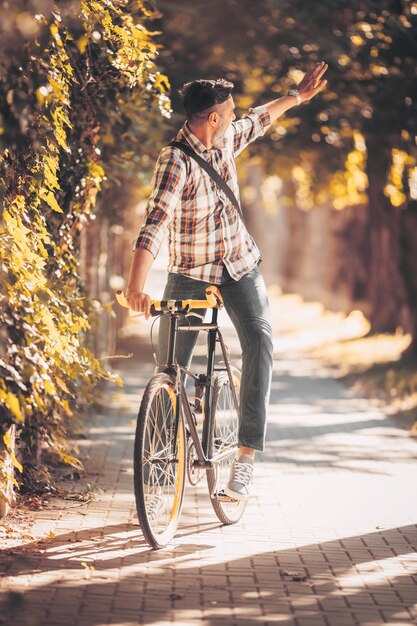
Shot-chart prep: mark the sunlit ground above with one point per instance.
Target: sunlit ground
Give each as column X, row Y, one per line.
column 330, row 530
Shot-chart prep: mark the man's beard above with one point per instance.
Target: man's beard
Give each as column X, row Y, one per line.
column 219, row 140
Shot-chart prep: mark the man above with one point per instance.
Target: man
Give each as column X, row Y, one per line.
column 209, row 244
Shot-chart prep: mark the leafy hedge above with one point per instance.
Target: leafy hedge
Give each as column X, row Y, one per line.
column 75, row 79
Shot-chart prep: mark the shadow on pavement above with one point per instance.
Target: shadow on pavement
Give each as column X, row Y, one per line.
column 309, row 580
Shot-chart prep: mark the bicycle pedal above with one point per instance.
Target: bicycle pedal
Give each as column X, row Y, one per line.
column 223, row 497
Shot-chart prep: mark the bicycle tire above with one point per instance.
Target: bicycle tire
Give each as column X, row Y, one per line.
column 159, row 475
column 224, row 424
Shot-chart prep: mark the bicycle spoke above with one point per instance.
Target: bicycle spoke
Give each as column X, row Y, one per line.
column 159, row 474
column 224, row 444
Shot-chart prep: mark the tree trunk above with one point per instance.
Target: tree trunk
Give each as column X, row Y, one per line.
column 386, row 290
column 408, row 267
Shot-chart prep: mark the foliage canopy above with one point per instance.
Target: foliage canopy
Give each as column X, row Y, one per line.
column 76, row 77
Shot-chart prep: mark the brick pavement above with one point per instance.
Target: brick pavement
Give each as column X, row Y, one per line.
column 329, row 537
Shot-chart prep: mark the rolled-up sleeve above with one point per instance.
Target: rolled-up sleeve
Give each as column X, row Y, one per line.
column 250, row 127
column 167, row 184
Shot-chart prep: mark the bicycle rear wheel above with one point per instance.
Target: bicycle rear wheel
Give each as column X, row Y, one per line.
column 159, row 462
column 223, row 444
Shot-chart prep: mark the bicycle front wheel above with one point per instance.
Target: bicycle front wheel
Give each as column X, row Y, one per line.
column 223, row 446
column 159, row 462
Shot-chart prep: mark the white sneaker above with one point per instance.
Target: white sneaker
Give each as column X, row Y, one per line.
column 240, row 479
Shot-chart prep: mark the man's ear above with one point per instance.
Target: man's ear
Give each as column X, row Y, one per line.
column 213, row 118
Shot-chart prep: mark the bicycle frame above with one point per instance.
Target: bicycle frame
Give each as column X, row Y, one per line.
column 214, row 335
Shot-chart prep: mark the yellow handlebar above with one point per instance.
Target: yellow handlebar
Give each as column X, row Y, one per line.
column 121, row 299
column 213, row 299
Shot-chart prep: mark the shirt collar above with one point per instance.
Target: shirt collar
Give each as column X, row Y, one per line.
column 187, row 134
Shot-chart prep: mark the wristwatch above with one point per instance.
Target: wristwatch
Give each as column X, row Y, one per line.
column 296, row 94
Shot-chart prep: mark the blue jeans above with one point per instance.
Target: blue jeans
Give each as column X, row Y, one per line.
column 246, row 302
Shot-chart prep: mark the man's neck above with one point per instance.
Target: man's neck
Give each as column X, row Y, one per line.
column 202, row 133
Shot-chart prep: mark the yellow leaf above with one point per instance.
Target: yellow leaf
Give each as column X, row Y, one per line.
column 9, row 446
column 96, row 171
column 49, row 387
column 50, row 174
column 16, row 463
column 14, row 482
column 39, row 401
column 61, row 384
column 51, row 535
column 161, row 83
column 87, row 566
column 12, row 402
column 49, row 198
column 82, row 44
column 66, row 406
column 70, row 460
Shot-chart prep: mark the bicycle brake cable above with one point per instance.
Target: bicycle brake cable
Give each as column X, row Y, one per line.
column 194, row 314
column 152, row 343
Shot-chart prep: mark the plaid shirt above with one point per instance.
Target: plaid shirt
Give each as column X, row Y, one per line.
column 205, row 229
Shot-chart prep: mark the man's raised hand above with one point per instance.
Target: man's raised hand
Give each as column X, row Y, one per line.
column 312, row 82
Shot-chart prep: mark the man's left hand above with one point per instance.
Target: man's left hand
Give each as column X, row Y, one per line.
column 312, row 82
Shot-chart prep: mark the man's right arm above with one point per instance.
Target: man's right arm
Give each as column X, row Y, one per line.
column 139, row 269
column 167, row 185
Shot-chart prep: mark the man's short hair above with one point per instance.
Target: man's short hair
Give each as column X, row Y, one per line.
column 201, row 94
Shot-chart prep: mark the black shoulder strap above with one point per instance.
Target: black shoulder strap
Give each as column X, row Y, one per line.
column 210, row 171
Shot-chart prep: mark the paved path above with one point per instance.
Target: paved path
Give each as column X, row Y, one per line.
column 329, row 537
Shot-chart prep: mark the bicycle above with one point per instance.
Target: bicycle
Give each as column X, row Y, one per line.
column 177, row 435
